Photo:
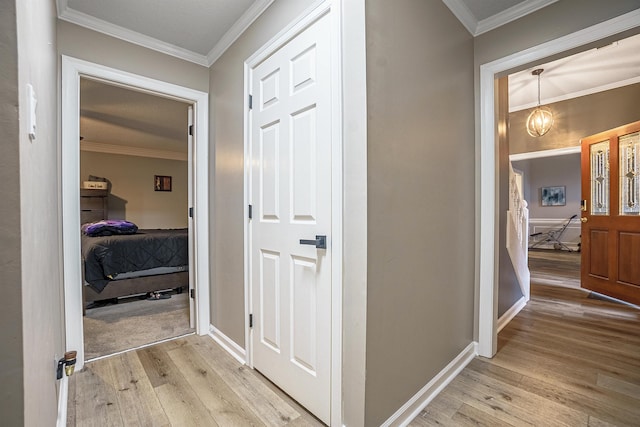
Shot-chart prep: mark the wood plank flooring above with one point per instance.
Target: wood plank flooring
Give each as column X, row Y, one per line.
column 560, row 268
column 186, row 382
column 565, row 360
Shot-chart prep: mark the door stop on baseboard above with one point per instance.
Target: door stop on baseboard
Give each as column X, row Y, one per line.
column 69, row 364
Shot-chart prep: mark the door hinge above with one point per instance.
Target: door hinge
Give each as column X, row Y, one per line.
column 190, row 130
column 251, row 320
column 250, row 102
column 250, row 212
column 192, row 293
column 190, row 212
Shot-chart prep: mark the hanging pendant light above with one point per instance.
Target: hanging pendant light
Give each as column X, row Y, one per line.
column 541, row 119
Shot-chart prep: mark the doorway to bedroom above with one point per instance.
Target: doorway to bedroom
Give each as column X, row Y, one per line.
column 119, row 200
column 134, row 204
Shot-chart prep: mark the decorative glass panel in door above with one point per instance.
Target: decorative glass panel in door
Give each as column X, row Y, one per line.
column 599, row 180
column 629, row 148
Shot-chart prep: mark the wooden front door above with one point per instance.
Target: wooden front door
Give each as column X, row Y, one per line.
column 611, row 213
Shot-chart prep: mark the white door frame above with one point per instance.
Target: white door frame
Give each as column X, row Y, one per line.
column 311, row 15
column 488, row 282
column 72, row 70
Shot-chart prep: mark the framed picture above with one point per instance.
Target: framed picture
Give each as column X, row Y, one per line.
column 553, row 196
column 162, row 183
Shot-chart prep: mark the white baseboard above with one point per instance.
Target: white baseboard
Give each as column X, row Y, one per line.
column 63, row 397
column 421, row 399
column 228, row 344
column 511, row 313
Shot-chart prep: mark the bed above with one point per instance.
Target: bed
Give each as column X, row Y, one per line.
column 125, row 265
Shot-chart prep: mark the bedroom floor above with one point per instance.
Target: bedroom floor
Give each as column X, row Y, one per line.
column 134, row 322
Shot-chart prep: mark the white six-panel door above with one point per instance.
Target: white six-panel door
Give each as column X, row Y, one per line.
column 290, row 193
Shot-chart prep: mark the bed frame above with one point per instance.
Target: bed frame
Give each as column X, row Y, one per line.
column 138, row 285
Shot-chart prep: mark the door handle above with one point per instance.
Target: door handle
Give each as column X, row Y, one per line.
column 319, row 243
column 584, row 219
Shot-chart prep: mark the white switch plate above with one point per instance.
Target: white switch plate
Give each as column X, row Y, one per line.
column 31, row 107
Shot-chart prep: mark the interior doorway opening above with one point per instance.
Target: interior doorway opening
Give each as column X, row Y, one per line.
column 487, row 194
column 135, row 189
column 72, row 71
column 554, row 232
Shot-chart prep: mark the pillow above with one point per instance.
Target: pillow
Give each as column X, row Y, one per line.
column 109, row 227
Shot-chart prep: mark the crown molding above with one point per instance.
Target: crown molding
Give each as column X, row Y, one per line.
column 545, row 153
column 236, row 30
column 95, row 24
column 61, row 6
column 464, row 15
column 100, row 147
column 475, row 27
column 511, row 14
column 99, row 25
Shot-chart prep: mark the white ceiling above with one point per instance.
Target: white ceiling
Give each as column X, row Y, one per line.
column 591, row 71
column 119, row 120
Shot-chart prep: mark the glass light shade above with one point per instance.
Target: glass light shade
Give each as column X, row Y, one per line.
column 539, row 121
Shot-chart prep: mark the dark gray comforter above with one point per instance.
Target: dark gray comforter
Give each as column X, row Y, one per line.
column 107, row 256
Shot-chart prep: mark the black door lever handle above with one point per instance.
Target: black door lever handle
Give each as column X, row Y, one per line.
column 319, row 243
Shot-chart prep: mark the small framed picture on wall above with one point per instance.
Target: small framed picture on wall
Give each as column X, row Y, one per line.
column 162, row 183
column 553, row 196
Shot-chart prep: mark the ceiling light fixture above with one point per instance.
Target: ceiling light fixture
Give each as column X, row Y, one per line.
column 541, row 119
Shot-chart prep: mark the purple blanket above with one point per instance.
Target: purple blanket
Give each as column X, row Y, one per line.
column 109, row 227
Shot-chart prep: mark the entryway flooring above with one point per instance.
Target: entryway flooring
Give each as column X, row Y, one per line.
column 564, row 360
column 553, row 267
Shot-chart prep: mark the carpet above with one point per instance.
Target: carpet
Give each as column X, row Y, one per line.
column 133, row 323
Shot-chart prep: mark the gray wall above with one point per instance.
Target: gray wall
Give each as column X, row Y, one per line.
column 578, row 118
column 133, row 196
column 42, row 317
column 11, row 378
column 420, row 198
column 227, row 179
column 547, row 172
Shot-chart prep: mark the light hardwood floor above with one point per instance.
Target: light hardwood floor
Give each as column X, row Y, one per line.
column 566, row 359
column 186, row 382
